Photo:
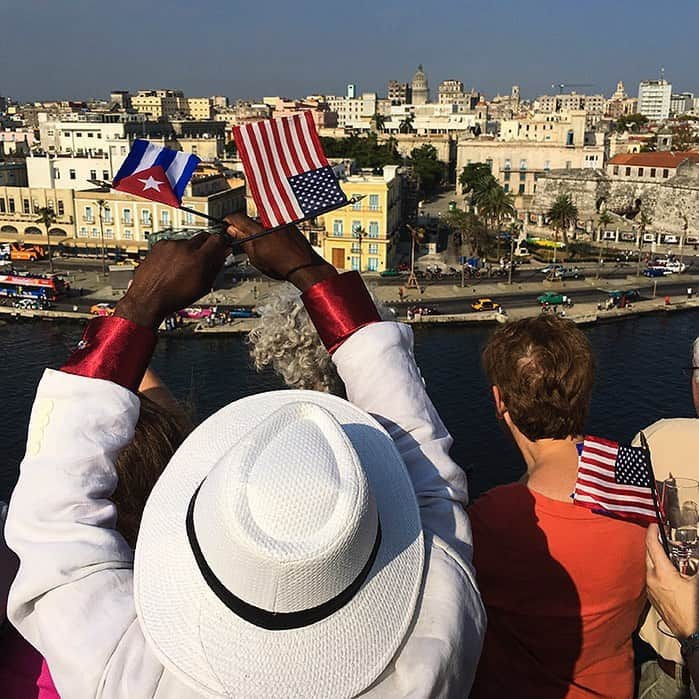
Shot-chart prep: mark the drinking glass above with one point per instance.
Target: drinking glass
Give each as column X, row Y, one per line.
column 680, row 510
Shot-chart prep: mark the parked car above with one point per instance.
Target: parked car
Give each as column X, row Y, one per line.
column 102, row 309
column 243, row 313
column 195, row 313
column 656, row 272
column 485, row 304
column 623, row 298
column 423, row 311
column 390, row 272
column 675, row 266
column 32, row 304
column 403, row 267
column 553, row 298
column 567, row 273
column 550, row 268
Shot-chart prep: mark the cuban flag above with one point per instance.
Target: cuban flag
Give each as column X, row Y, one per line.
column 156, row 173
column 289, row 176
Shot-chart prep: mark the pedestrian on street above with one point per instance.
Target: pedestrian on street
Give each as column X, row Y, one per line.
column 401, row 293
column 690, row 292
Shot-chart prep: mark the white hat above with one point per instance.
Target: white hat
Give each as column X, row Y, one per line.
column 281, row 553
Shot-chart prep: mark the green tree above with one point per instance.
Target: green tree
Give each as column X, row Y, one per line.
column 471, row 230
column 643, row 221
column 406, row 126
column 231, row 149
column 48, row 218
column 495, row 206
column 429, row 170
column 365, row 150
column 630, row 122
column 378, row 121
column 683, row 136
column 475, row 179
column 562, row 215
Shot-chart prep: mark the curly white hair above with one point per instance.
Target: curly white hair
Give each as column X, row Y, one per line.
column 286, row 340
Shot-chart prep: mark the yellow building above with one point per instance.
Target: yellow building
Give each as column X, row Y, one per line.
column 19, row 208
column 125, row 220
column 362, row 236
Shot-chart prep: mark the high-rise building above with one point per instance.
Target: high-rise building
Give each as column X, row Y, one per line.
column 398, row 92
column 451, row 92
column 654, row 99
column 351, row 91
column 420, row 87
column 681, row 103
column 122, row 98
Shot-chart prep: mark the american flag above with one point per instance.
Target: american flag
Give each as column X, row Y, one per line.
column 615, row 480
column 288, row 173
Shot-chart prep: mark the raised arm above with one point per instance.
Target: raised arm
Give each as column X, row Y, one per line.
column 72, row 597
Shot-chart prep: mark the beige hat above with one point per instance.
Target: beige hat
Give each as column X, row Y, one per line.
column 281, row 553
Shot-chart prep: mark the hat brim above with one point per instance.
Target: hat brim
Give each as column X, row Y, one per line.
column 214, row 651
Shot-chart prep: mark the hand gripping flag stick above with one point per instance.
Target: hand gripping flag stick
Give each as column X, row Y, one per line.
column 225, row 224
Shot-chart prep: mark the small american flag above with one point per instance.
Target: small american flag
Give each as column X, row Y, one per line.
column 288, row 173
column 615, row 480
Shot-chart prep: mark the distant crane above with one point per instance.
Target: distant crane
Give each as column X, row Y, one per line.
column 562, row 86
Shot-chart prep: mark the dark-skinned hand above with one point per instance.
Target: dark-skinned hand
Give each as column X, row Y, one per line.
column 284, row 254
column 174, row 275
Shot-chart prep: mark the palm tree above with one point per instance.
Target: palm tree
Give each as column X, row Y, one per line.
column 644, row 220
column 406, row 126
column 495, row 205
column 378, row 122
column 605, row 218
column 515, row 228
column 47, row 216
column 562, row 214
column 359, row 234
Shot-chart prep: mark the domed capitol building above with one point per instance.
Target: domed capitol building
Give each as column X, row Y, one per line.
column 420, row 87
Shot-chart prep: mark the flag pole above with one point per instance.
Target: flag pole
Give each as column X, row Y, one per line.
column 654, row 493
column 254, row 236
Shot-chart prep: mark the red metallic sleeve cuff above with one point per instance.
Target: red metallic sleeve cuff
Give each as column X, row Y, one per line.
column 114, row 349
column 338, row 307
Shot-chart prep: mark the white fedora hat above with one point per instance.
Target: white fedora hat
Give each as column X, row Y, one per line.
column 281, row 552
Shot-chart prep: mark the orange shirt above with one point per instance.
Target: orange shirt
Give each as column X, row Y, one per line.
column 563, row 588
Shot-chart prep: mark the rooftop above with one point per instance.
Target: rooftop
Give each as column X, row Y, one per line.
column 667, row 159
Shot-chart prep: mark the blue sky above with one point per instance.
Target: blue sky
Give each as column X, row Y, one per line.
column 82, row 48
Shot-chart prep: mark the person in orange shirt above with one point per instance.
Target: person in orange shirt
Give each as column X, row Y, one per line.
column 563, row 587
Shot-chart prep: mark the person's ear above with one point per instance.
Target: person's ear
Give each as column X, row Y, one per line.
column 500, row 407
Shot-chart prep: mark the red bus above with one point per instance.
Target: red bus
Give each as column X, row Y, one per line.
column 32, row 286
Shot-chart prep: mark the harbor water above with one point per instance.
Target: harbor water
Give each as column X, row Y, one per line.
column 641, row 377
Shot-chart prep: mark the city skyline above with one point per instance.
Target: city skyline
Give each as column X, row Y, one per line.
column 78, row 50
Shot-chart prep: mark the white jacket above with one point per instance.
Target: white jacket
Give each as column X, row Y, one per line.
column 72, row 598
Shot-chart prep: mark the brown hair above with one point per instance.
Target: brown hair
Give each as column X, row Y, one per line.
column 159, row 432
column 544, row 369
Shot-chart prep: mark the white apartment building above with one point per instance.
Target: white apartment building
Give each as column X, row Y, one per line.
column 74, row 171
column 354, row 112
column 654, row 99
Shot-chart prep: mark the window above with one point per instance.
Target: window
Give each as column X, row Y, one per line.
column 88, row 214
column 355, row 248
column 78, row 134
column 11, row 204
column 109, row 233
column 373, row 265
column 506, row 176
column 105, row 174
column 615, row 170
column 356, row 225
column 357, row 206
column 373, row 248
column 49, row 204
column 508, row 164
column 652, row 172
column 640, row 172
column 94, row 233
column 355, row 262
column 49, row 132
column 522, row 164
column 2, row 205
column 628, row 172
column 60, row 207
column 72, row 174
column 188, row 218
column 128, row 234
column 145, row 217
column 547, row 165
column 373, row 202
column 337, row 228
column 127, row 216
column 165, row 218
column 373, row 229
column 107, row 213
column 66, row 134
column 35, row 206
column 521, row 189
column 56, row 174
column 123, row 150
column 93, row 174
column 25, row 206
column 666, row 172
column 82, row 233
column 489, row 163
column 506, row 187
column 522, row 175
column 90, row 134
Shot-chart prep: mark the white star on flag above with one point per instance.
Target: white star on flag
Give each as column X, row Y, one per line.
column 151, row 183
